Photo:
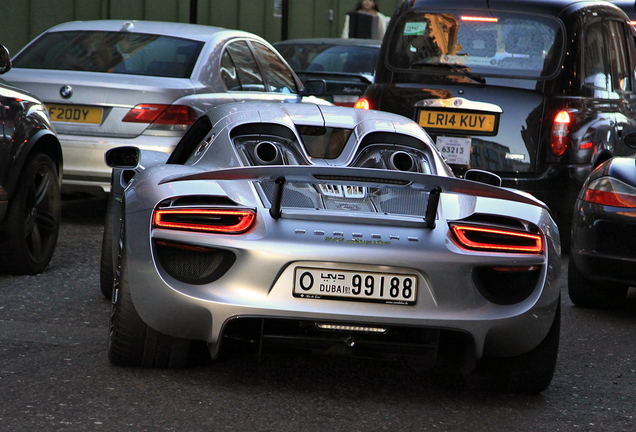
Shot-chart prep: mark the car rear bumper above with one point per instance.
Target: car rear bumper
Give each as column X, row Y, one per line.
column 259, row 286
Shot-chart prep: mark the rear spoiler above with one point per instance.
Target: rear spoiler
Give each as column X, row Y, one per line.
column 434, row 184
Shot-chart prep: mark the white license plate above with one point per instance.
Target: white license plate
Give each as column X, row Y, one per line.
column 391, row 288
column 455, row 150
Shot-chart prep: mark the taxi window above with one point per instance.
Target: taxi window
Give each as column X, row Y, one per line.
column 501, row 44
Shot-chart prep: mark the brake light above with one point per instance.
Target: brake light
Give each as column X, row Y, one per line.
column 611, row 192
column 363, row 103
column 205, row 220
column 164, row 117
column 479, row 19
column 481, row 238
column 560, row 133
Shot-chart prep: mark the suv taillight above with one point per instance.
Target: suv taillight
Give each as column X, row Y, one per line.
column 162, row 117
column 560, row 133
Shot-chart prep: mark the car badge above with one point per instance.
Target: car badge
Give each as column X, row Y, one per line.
column 66, row 91
column 458, row 102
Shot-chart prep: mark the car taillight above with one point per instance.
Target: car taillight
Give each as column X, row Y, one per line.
column 560, row 133
column 611, row 192
column 163, row 117
column 482, row 238
column 363, row 103
column 205, row 220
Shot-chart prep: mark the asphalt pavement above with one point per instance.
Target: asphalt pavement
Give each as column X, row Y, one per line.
column 55, row 375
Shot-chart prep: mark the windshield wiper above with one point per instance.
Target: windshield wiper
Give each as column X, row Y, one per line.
column 460, row 69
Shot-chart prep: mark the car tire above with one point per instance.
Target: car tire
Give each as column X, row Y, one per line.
column 586, row 293
column 106, row 264
column 29, row 233
column 528, row 373
column 131, row 342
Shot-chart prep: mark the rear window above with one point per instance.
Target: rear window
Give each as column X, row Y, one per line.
column 330, row 58
column 519, row 45
column 112, row 52
column 324, row 142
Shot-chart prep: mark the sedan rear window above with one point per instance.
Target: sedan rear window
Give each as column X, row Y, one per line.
column 330, row 58
column 112, row 52
column 503, row 44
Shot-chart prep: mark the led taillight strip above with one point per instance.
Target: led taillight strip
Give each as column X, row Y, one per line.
column 205, row 220
column 497, row 240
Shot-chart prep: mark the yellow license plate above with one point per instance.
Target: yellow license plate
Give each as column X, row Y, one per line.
column 75, row 114
column 458, row 121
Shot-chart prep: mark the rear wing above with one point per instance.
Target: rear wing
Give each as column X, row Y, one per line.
column 372, row 178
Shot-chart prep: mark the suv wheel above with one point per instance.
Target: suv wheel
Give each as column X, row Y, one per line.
column 33, row 219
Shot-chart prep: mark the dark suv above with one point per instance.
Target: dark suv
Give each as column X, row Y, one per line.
column 538, row 92
column 30, row 180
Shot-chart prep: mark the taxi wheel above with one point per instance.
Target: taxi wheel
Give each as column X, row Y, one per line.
column 29, row 233
column 131, row 342
column 528, row 373
column 586, row 293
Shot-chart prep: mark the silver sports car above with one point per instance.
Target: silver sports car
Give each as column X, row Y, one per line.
column 331, row 229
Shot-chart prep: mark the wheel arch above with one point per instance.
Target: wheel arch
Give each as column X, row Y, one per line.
column 45, row 142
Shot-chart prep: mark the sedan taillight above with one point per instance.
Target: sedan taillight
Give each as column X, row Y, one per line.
column 490, row 239
column 610, row 192
column 162, row 117
column 560, row 133
column 219, row 221
column 362, row 103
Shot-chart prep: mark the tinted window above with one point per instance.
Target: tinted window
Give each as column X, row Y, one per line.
column 330, row 58
column 228, row 73
column 114, row 52
column 324, row 142
column 249, row 75
column 596, row 68
column 619, row 57
column 279, row 76
column 501, row 44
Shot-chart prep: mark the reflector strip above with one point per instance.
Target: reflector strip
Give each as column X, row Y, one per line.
column 205, row 220
column 497, row 240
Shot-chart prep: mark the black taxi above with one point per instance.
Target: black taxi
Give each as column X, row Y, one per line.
column 538, row 92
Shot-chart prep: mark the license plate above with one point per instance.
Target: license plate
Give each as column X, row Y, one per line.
column 393, row 288
column 448, row 120
column 455, row 150
column 75, row 114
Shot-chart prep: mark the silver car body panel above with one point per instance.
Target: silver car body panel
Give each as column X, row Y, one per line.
column 260, row 282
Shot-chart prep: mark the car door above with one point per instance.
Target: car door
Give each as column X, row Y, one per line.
column 623, row 56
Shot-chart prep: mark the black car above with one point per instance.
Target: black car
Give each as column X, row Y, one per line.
column 602, row 263
column 539, row 92
column 347, row 65
column 30, row 180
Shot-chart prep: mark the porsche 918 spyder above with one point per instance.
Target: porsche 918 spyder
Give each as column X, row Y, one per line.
column 331, row 229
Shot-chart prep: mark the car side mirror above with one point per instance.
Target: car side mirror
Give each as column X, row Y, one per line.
column 630, row 140
column 5, row 60
column 125, row 157
column 485, row 177
column 315, row 87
